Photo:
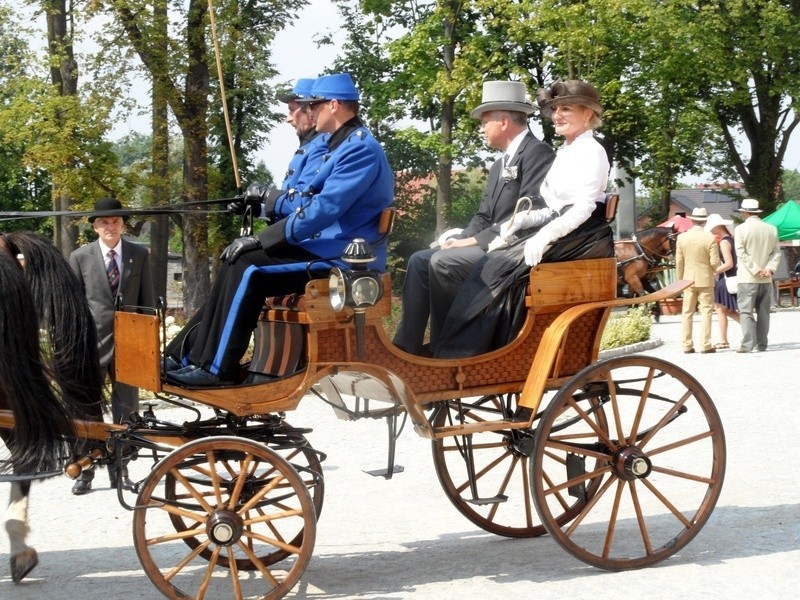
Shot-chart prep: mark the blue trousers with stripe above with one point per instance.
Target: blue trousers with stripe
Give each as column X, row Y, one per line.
column 217, row 336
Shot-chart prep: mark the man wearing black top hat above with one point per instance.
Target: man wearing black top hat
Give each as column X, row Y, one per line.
column 108, row 268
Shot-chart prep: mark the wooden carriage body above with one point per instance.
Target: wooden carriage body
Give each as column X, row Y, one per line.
column 568, row 305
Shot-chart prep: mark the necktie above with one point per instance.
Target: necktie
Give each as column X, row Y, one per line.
column 112, row 270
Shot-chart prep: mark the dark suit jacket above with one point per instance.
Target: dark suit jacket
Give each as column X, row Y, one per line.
column 532, row 161
column 136, row 287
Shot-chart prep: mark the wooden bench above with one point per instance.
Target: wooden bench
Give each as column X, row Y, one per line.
column 790, row 285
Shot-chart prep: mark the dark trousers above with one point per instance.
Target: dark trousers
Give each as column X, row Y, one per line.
column 432, row 281
column 217, row 336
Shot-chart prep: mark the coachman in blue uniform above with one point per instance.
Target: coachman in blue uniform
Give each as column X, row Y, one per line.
column 312, row 227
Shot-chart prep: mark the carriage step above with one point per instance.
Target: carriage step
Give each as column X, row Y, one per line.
column 385, row 472
column 576, row 467
column 484, row 501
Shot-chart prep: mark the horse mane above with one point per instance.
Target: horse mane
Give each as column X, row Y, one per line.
column 63, row 313
column 654, row 231
column 41, row 422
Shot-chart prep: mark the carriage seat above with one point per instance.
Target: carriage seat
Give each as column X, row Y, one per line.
column 280, row 336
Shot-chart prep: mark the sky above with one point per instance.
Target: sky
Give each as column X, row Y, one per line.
column 295, row 55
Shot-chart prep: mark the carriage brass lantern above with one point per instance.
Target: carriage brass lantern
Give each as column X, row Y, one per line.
column 357, row 287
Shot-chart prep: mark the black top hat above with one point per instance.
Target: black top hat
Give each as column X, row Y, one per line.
column 108, row 207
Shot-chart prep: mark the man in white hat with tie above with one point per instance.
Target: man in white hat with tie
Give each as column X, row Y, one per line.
column 759, row 255
column 697, row 258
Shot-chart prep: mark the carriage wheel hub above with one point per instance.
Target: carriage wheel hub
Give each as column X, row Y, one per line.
column 224, row 528
column 631, row 463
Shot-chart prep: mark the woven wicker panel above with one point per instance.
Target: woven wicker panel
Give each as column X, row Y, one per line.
column 579, row 343
column 509, row 367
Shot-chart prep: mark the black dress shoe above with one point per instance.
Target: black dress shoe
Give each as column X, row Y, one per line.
column 113, row 478
column 81, row 487
column 196, row 377
column 170, row 364
column 689, row 351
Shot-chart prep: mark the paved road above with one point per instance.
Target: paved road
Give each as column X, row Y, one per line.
column 401, row 538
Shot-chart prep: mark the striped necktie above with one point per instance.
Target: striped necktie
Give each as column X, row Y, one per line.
column 112, row 270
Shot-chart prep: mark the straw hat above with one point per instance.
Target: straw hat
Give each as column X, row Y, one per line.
column 572, row 91
column 749, row 205
column 699, row 215
column 715, row 220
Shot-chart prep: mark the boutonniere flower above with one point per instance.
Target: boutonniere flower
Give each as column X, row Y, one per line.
column 510, row 173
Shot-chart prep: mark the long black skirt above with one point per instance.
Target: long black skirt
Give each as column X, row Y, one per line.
column 489, row 310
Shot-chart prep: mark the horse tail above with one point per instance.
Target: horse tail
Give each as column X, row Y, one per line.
column 42, row 426
column 63, row 312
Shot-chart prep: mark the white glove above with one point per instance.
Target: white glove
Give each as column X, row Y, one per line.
column 497, row 243
column 524, row 220
column 446, row 236
column 534, row 249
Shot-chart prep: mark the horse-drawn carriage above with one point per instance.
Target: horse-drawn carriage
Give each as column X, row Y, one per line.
column 620, row 460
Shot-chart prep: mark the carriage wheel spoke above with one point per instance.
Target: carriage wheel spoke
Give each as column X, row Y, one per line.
column 648, row 547
column 647, row 430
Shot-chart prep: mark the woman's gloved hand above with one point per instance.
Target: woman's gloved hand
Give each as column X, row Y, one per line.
column 534, row 250
column 524, row 220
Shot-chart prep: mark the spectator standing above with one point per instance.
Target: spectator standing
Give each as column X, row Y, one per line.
column 697, row 258
column 108, row 268
column 759, row 255
column 725, row 303
column 435, row 275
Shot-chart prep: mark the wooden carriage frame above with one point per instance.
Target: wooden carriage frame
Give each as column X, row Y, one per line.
column 509, row 462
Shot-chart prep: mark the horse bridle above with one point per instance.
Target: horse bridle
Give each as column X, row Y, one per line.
column 653, row 261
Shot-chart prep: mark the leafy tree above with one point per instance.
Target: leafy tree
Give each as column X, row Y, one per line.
column 21, row 188
column 179, row 68
column 749, row 53
column 791, row 185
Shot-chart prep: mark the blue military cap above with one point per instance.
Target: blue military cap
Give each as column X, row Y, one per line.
column 301, row 89
column 338, row 86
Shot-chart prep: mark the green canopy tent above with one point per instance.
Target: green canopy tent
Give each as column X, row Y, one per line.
column 787, row 220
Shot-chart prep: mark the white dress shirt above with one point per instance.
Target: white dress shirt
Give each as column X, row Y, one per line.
column 578, row 179
column 118, row 249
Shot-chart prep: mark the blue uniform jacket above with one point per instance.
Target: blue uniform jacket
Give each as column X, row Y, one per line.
column 305, row 163
column 342, row 201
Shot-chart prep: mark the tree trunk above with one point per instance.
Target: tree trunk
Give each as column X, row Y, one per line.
column 64, row 75
column 159, row 230
column 197, row 282
column 444, row 190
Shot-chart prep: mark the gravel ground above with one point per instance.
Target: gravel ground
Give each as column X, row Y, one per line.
column 401, row 538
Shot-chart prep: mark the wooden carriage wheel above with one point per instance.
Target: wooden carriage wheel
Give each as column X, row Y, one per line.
column 501, row 499
column 661, row 461
column 243, row 502
column 303, row 458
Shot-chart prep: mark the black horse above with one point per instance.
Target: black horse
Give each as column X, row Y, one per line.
column 49, row 371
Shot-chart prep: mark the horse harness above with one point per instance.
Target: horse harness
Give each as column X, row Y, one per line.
column 642, row 253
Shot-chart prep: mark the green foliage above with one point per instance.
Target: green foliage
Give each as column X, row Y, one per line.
column 629, row 328
column 791, row 185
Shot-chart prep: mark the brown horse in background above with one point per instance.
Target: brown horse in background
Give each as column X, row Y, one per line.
column 640, row 258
